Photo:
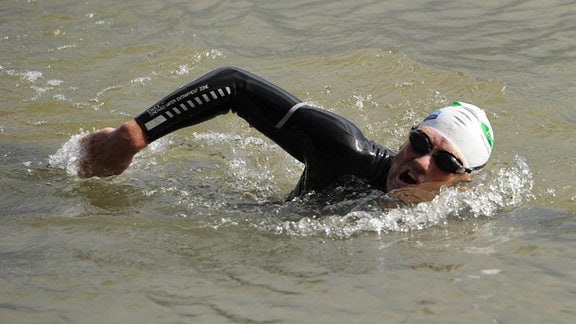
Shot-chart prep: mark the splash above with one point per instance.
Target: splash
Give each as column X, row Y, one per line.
column 68, row 155
column 248, row 196
column 251, row 164
column 486, row 197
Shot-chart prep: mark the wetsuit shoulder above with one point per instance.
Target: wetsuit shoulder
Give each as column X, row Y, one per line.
column 336, row 150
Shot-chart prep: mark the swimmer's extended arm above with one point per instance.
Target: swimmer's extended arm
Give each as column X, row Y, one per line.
column 258, row 101
column 266, row 107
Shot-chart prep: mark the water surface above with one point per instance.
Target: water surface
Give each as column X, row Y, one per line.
column 197, row 230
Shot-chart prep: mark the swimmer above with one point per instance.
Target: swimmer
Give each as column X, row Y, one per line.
column 443, row 149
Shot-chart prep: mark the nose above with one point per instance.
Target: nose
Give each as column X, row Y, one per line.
column 423, row 163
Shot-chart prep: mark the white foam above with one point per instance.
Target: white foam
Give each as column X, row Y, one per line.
column 30, row 76
column 67, row 156
column 491, row 194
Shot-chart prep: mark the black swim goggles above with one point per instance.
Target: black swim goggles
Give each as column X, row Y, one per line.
column 445, row 161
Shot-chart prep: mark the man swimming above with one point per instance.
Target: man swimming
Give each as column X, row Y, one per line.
column 441, row 150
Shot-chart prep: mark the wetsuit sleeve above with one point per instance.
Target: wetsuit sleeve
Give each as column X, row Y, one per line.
column 256, row 100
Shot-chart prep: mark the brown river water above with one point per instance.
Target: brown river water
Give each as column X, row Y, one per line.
column 197, row 230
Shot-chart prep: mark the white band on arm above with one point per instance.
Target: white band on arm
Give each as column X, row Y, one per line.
column 289, row 114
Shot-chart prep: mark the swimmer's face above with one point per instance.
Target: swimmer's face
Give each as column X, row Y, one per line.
column 411, row 167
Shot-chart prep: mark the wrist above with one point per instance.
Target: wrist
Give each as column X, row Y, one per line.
column 132, row 136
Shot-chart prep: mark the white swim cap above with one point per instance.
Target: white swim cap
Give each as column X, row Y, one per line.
column 467, row 128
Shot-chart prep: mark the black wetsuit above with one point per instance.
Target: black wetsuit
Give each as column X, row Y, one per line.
column 333, row 150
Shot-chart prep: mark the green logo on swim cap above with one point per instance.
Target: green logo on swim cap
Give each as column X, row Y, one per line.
column 487, row 133
column 455, row 104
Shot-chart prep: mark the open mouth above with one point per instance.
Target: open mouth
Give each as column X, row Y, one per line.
column 406, row 178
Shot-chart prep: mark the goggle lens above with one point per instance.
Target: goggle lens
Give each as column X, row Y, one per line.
column 445, row 161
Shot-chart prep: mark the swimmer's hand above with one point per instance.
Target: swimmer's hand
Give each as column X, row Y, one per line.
column 108, row 151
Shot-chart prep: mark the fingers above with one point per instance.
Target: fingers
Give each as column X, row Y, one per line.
column 109, row 151
column 93, row 156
